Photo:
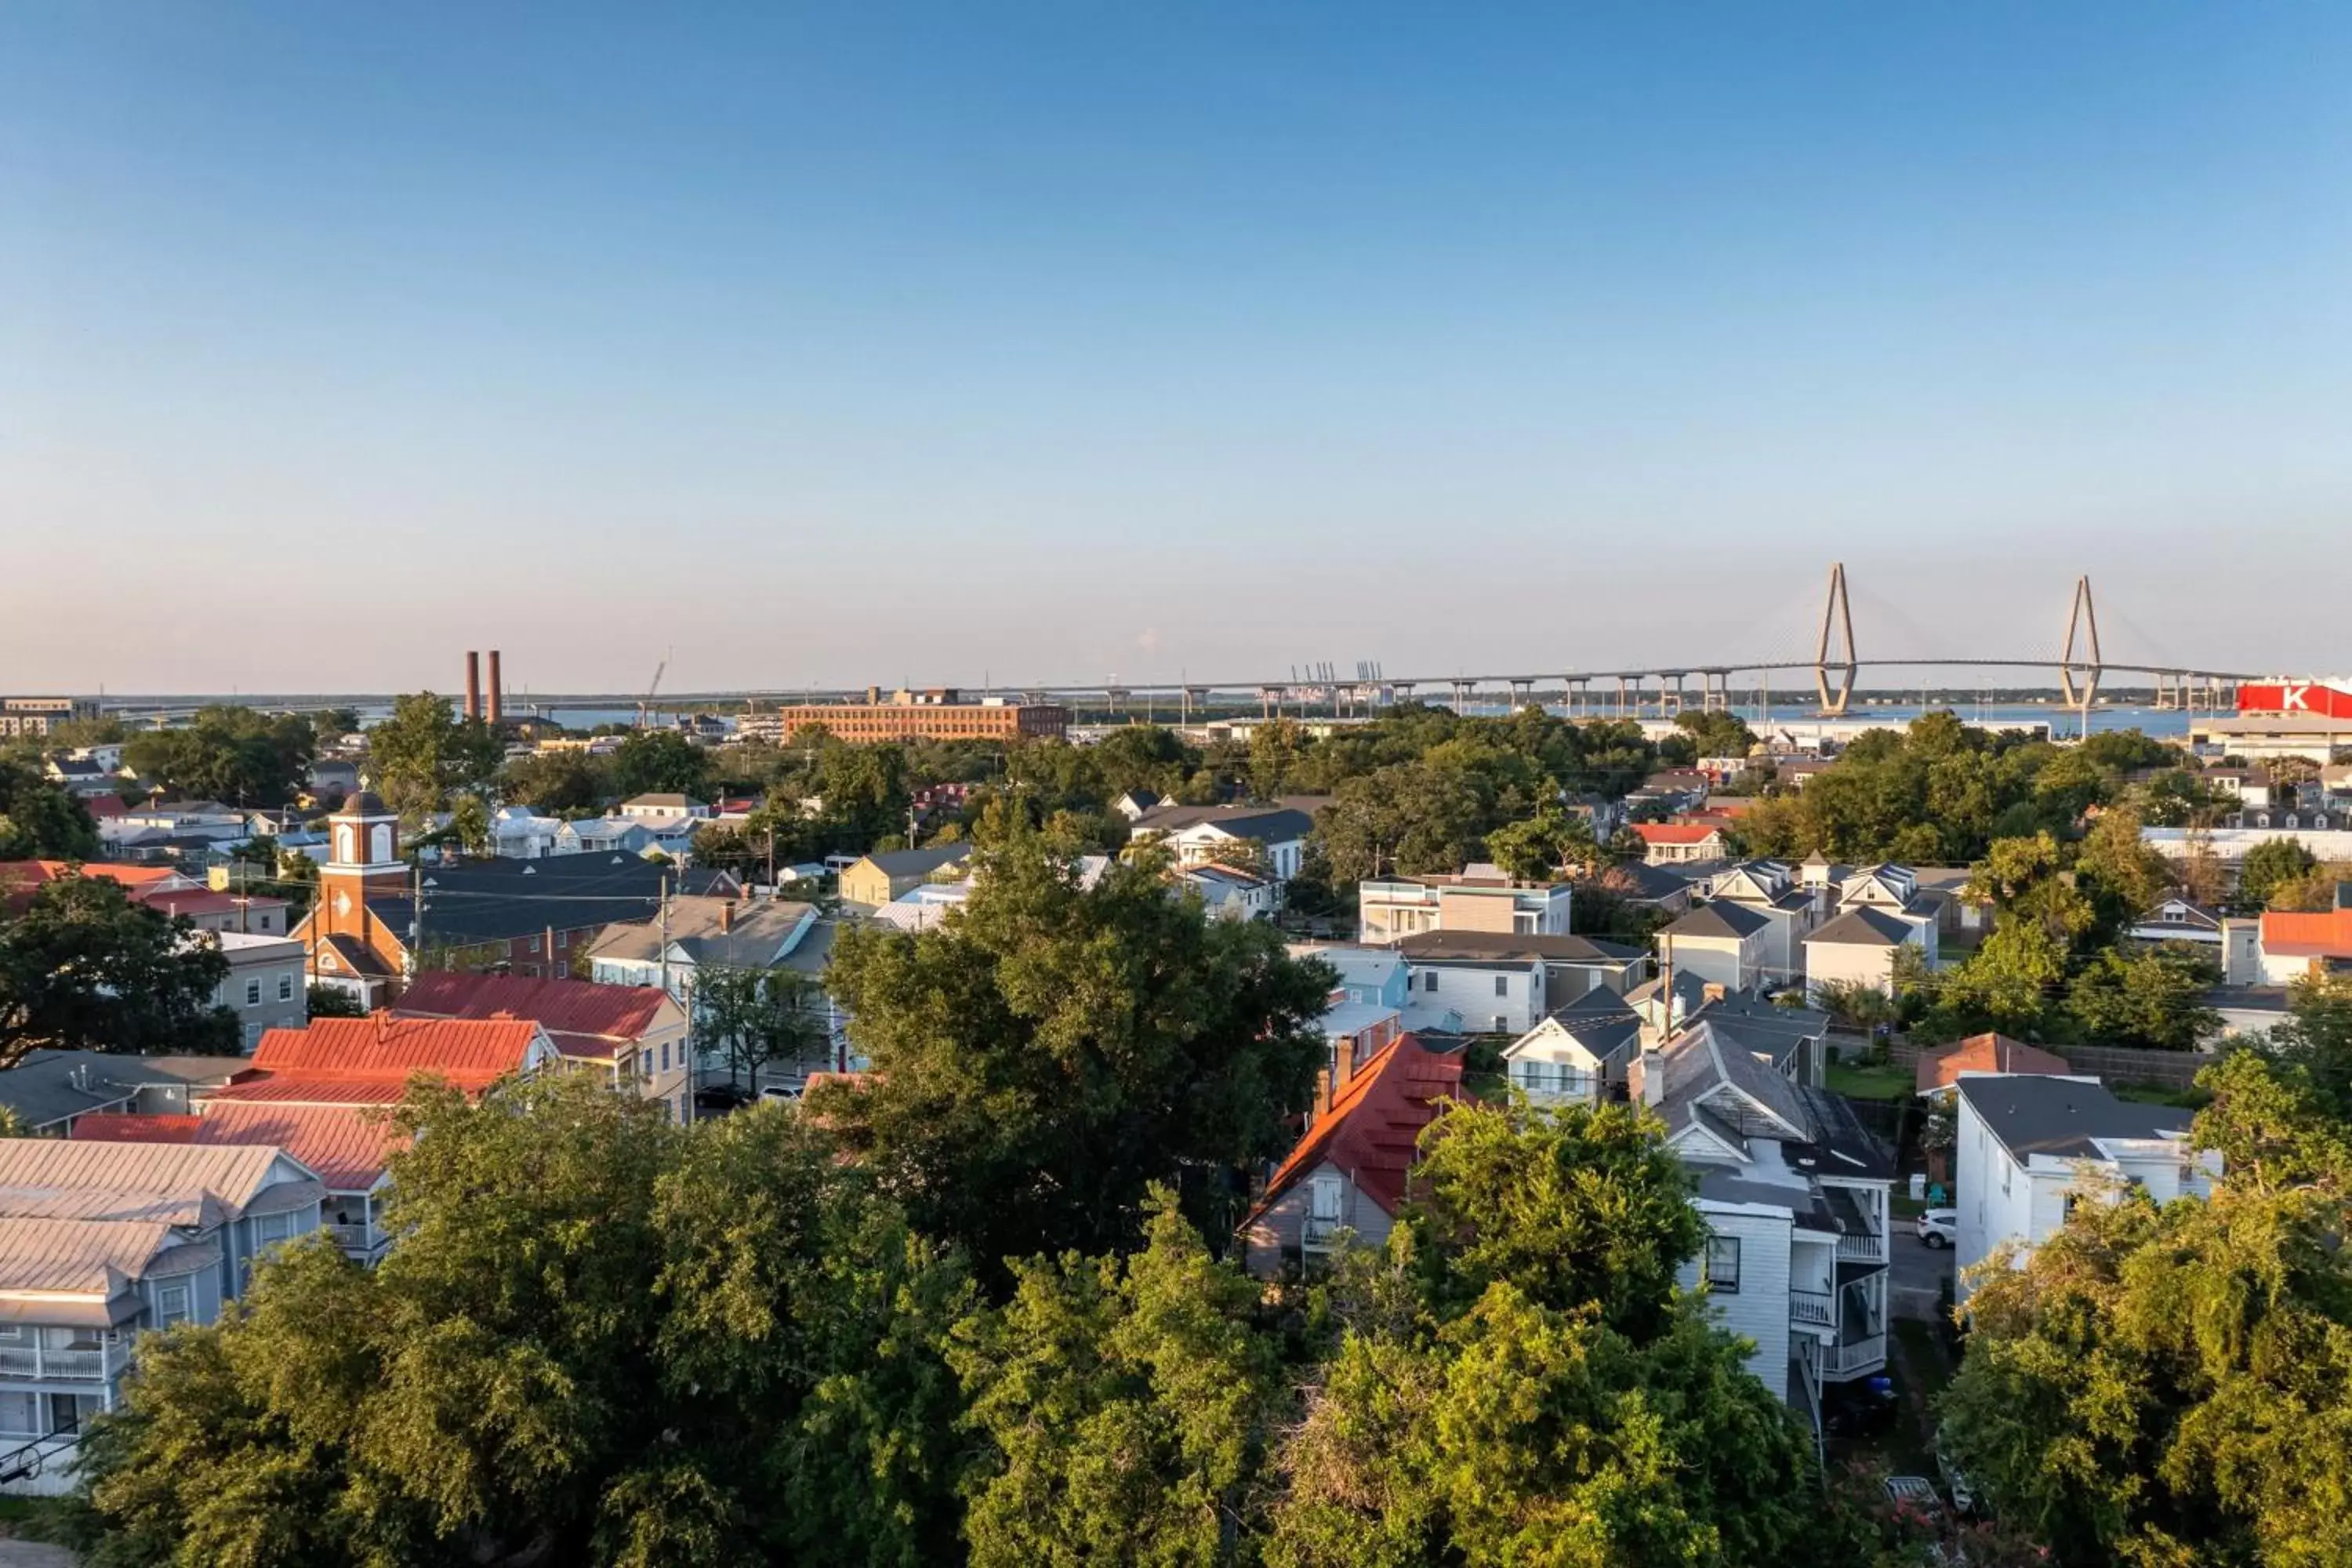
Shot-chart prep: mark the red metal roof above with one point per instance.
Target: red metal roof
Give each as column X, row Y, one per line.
column 565, row 1007
column 1374, row 1126
column 385, row 1048
column 1675, row 832
column 346, row 1146
column 2328, row 934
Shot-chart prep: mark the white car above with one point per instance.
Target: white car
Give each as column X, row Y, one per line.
column 1939, row 1228
column 781, row 1091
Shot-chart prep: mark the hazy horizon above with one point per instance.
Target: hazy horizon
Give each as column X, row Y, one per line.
column 915, row 343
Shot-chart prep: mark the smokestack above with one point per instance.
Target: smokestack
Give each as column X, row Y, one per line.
column 498, row 709
column 474, row 683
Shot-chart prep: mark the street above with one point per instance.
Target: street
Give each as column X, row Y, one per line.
column 1920, row 1273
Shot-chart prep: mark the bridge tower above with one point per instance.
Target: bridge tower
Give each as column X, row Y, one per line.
column 2083, row 627
column 1836, row 615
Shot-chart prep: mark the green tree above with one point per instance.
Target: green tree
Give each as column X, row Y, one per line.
column 661, row 761
column 558, row 782
column 469, row 824
column 749, row 1018
column 1715, row 734
column 1514, row 1378
column 1039, row 1062
column 332, row 1002
column 2169, row 1385
column 2270, row 865
column 1412, row 817
column 1123, row 1405
column 1544, row 846
column 228, row 754
column 601, row 1339
column 423, row 751
column 39, row 821
column 84, row 968
column 2116, row 870
column 2153, row 999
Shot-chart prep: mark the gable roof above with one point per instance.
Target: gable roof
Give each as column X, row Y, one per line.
column 58, row 1178
column 346, row 1146
column 917, row 862
column 382, row 1052
column 1374, row 1128
column 1864, row 927
column 2060, row 1117
column 1677, row 832
column 1700, row 1061
column 1942, row 1067
column 500, row 899
column 584, row 1018
column 1721, row 919
column 1267, row 823
column 755, row 934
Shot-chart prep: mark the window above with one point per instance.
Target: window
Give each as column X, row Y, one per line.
column 665, row 1056
column 171, row 1305
column 1502, row 985
column 270, row 1228
column 1502, row 1025
column 286, row 988
column 2172, row 913
column 1723, row 1265
column 253, row 992
column 1428, row 980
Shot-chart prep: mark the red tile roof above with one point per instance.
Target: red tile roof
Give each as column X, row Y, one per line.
column 346, row 1146
column 1675, row 832
column 2295, row 935
column 20, row 879
column 584, row 1018
column 1941, row 1068
column 1374, row 1126
column 385, row 1050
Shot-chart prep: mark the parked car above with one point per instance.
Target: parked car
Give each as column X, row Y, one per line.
column 1939, row 1228
column 781, row 1091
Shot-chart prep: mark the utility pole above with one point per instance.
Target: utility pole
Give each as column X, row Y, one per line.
column 664, row 935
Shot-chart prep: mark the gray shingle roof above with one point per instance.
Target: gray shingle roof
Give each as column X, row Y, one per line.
column 2059, row 1117
column 917, row 862
column 1719, row 920
column 1864, row 927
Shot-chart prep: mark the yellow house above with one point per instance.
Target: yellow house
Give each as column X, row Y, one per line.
column 878, row 879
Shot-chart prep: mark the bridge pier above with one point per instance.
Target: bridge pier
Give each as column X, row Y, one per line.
column 1579, row 688
column 2081, row 621
column 1621, row 697
column 1462, row 693
column 1715, row 691
column 1269, row 701
column 1671, row 702
column 1523, row 690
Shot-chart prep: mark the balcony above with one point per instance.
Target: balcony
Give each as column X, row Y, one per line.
column 357, row 1240
column 1863, row 1248
column 1315, row 1234
column 41, row 1364
column 1854, row 1357
column 1813, row 1309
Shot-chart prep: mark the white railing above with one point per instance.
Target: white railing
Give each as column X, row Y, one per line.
column 1317, row 1233
column 1811, row 1306
column 1854, row 1357
column 1863, row 1248
column 42, row 1363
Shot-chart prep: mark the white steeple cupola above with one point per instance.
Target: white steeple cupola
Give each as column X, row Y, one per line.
column 364, row 837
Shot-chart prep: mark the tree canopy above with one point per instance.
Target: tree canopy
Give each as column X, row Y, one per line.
column 2164, row 1386
column 40, row 821
column 84, row 968
column 1044, row 1055
column 423, row 751
column 228, row 754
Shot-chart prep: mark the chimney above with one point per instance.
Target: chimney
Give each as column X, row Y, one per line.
column 1322, row 1096
column 1345, row 1058
column 498, row 693
column 1713, row 991
column 473, row 684
column 727, row 916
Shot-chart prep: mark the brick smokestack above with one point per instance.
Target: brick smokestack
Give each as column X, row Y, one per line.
column 474, row 684
column 498, row 691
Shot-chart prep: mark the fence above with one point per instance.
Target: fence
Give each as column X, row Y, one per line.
column 2114, row 1064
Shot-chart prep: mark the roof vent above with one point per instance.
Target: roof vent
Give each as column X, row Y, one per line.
column 529, row 870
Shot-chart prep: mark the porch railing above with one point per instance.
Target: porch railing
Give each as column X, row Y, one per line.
column 42, row 1364
column 1867, row 1353
column 1816, row 1307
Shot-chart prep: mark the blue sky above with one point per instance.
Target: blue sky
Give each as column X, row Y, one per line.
column 891, row 341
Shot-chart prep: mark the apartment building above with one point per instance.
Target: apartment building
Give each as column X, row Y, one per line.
column 1480, row 898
